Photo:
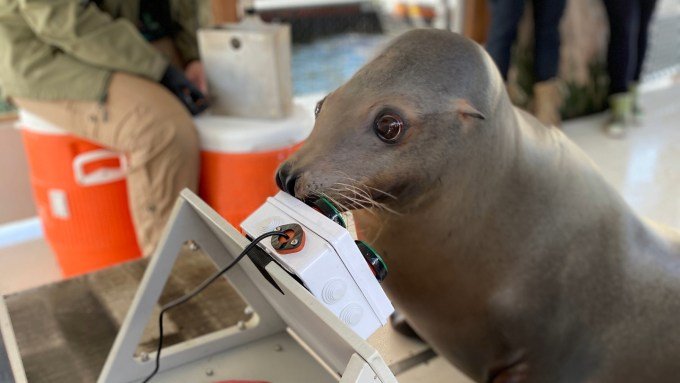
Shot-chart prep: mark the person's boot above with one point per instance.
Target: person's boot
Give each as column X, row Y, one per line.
column 637, row 112
column 517, row 95
column 620, row 111
column 548, row 102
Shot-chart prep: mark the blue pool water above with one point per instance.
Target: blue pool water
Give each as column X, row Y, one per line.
column 325, row 64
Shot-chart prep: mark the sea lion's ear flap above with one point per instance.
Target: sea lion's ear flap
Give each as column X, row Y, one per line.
column 466, row 110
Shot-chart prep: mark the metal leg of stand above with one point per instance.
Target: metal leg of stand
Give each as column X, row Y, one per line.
column 358, row 371
column 185, row 224
column 9, row 353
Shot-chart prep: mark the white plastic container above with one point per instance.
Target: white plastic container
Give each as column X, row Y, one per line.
column 247, row 66
column 239, row 157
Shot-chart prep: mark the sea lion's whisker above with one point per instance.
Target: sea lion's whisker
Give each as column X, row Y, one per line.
column 387, row 208
column 355, row 200
column 363, row 192
column 335, row 201
column 358, row 190
column 355, row 181
column 361, row 202
column 374, row 203
column 365, row 196
column 382, row 192
column 367, row 204
column 377, row 234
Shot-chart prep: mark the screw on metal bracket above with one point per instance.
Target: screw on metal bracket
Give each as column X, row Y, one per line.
column 193, row 246
column 248, row 311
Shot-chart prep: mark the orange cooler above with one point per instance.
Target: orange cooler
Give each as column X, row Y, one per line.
column 239, row 158
column 81, row 196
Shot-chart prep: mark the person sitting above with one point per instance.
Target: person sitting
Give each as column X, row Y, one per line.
column 92, row 69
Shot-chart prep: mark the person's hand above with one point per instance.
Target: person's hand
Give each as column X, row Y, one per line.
column 186, row 92
column 196, row 74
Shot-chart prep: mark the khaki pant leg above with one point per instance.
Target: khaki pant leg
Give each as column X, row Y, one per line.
column 148, row 123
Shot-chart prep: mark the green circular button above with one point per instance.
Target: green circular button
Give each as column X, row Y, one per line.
column 374, row 260
column 326, row 208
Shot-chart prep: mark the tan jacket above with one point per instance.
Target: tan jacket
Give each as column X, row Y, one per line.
column 65, row 49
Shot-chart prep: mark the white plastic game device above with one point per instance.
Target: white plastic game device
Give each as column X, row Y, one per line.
column 341, row 273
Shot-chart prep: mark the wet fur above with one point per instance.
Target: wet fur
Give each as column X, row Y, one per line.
column 507, row 250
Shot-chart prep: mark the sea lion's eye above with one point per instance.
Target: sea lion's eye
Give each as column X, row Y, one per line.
column 389, row 127
column 317, row 109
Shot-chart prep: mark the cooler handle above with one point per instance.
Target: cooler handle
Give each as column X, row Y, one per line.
column 100, row 176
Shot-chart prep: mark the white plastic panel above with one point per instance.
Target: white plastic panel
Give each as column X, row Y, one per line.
column 330, row 264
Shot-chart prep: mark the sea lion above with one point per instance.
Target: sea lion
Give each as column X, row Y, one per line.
column 507, row 250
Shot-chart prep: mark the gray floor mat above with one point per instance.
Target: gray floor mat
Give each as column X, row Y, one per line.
column 65, row 330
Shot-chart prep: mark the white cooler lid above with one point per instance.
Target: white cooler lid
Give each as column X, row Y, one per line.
column 247, row 135
column 34, row 123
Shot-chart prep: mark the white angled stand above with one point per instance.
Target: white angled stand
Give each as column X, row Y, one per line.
column 291, row 338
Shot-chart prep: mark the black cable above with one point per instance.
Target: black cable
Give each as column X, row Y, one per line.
column 200, row 288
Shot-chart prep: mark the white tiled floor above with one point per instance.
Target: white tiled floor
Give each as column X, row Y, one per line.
column 644, row 167
column 27, row 265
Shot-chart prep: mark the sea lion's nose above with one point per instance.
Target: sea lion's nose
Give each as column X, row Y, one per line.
column 285, row 180
column 290, row 185
column 281, row 176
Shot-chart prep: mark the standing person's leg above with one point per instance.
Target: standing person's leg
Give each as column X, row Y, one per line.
column 148, row 123
column 623, row 18
column 547, row 95
column 646, row 10
column 505, row 16
column 547, row 16
column 621, row 55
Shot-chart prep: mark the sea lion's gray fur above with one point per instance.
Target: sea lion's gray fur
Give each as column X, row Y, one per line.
column 508, row 251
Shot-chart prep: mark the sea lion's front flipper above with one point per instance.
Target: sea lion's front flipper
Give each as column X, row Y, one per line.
column 517, row 373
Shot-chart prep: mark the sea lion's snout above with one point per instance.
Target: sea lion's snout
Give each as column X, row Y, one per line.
column 286, row 179
column 298, row 182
